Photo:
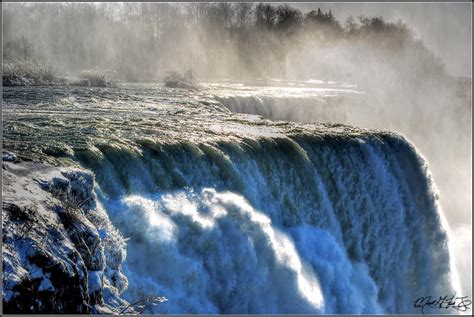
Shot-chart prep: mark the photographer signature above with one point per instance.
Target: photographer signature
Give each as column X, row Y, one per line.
column 461, row 304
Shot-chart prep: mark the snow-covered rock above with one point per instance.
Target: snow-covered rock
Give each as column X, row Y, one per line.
column 61, row 254
column 9, row 157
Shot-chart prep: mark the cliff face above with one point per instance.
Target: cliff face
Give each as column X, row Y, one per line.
column 60, row 252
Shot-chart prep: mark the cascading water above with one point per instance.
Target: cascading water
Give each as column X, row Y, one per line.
column 279, row 225
column 343, row 104
column 229, row 213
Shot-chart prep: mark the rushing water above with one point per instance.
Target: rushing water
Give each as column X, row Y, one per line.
column 233, row 213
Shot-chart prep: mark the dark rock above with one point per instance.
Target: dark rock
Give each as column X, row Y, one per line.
column 173, row 82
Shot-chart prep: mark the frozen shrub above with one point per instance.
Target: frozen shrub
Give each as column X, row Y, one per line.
column 93, row 78
column 29, row 72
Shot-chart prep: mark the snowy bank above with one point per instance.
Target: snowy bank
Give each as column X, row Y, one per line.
column 61, row 254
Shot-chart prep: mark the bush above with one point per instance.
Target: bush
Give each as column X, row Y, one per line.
column 92, row 78
column 137, row 308
column 29, row 72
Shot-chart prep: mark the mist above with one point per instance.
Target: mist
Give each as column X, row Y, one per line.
column 408, row 82
column 140, row 41
column 443, row 27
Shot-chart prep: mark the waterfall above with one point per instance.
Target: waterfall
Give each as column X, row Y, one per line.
column 304, row 223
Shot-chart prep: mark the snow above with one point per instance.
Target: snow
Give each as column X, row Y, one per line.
column 95, row 281
column 9, row 157
column 315, row 81
column 46, row 285
column 40, row 246
column 36, row 272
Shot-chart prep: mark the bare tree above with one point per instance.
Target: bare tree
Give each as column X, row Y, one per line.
column 287, row 18
column 265, row 15
column 243, row 14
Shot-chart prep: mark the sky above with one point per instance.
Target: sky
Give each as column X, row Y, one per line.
column 444, row 27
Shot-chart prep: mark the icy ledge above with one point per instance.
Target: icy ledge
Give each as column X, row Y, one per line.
column 61, row 254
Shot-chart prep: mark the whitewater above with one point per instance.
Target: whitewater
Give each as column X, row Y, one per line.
column 226, row 212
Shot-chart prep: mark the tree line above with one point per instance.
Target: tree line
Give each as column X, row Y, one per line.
column 140, row 41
